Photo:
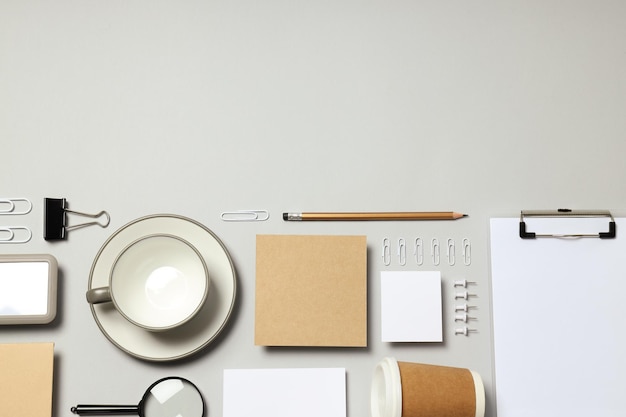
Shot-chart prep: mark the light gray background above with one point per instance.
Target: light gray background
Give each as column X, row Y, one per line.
column 198, row 107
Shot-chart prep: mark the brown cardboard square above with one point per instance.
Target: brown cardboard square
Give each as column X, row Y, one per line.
column 26, row 374
column 311, row 290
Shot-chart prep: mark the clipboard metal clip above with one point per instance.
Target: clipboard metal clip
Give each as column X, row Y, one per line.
column 525, row 234
column 55, row 219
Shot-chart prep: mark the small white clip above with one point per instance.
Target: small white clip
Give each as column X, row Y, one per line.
column 434, row 249
column 463, row 307
column 419, row 251
column 467, row 251
column 450, row 252
column 11, row 234
column 25, row 206
column 386, row 252
column 245, row 216
column 464, row 331
column 402, row 251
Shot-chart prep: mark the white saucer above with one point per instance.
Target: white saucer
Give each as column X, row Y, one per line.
column 194, row 335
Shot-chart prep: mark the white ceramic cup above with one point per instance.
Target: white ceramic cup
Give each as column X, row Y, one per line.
column 158, row 282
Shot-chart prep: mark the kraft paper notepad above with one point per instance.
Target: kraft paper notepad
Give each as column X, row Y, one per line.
column 311, row 291
column 411, row 306
column 26, row 379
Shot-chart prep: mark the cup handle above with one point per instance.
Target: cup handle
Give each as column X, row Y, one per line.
column 99, row 295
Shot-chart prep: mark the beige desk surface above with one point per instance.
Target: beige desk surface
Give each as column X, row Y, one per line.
column 198, row 107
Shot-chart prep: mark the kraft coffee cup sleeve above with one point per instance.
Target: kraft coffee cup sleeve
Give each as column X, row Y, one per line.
column 405, row 389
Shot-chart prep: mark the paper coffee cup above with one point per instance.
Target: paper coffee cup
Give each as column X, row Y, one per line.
column 406, row 389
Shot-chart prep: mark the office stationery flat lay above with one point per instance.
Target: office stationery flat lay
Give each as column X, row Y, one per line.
column 225, row 209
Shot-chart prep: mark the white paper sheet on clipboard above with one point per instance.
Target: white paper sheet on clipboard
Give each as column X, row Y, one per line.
column 559, row 308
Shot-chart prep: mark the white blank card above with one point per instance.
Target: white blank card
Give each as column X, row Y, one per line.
column 288, row 392
column 411, row 306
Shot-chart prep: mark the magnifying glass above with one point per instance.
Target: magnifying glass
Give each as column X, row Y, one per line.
column 167, row 397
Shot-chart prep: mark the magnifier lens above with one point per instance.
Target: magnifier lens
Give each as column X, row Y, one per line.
column 173, row 397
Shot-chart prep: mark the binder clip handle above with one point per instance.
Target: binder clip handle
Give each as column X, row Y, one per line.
column 55, row 219
column 93, row 216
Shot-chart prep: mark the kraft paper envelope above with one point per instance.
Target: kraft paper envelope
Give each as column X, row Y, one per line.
column 311, row 291
column 26, row 379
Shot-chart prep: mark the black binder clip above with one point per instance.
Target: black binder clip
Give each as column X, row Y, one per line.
column 525, row 234
column 55, row 219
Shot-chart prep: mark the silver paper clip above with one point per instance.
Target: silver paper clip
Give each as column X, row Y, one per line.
column 8, row 206
column 450, row 252
column 55, row 219
column 401, row 251
column 245, row 216
column 467, row 252
column 419, row 251
column 386, row 252
column 434, row 250
column 8, row 235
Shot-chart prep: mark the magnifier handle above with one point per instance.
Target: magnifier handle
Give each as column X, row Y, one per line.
column 104, row 410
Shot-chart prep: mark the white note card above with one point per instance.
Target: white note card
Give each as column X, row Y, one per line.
column 411, row 306
column 288, row 392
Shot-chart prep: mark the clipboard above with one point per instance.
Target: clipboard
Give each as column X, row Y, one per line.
column 557, row 310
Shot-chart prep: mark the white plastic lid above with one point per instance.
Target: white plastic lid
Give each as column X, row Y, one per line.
column 480, row 394
column 386, row 394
